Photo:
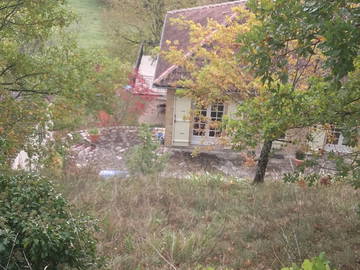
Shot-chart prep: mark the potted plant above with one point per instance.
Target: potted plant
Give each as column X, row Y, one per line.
column 299, row 157
column 94, row 135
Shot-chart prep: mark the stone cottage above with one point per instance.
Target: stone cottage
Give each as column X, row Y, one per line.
column 186, row 130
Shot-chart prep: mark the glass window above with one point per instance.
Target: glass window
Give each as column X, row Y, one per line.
column 207, row 120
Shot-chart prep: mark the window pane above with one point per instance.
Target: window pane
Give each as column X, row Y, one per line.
column 333, row 136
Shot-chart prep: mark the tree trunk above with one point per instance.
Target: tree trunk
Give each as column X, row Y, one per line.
column 263, row 162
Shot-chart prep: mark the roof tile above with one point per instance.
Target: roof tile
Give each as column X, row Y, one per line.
column 172, row 32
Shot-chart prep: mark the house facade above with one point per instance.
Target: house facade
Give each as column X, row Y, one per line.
column 187, row 125
column 183, row 127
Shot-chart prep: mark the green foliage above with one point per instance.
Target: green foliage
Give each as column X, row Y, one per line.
column 213, row 180
column 299, row 154
column 298, row 176
column 316, row 263
column 143, row 159
column 305, row 31
column 94, row 131
column 329, row 27
column 43, row 74
column 39, row 229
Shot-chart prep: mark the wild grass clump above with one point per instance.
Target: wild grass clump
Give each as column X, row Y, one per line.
column 214, row 222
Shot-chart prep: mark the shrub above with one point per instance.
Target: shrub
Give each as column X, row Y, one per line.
column 317, row 263
column 143, row 158
column 299, row 154
column 38, row 229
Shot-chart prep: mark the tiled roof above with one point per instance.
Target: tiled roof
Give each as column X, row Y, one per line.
column 166, row 73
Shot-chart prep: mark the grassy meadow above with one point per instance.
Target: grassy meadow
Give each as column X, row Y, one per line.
column 210, row 222
column 90, row 28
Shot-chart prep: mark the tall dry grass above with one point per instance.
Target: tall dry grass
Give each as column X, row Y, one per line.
column 213, row 222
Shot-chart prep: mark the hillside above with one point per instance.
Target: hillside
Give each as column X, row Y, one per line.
column 90, row 28
column 211, row 222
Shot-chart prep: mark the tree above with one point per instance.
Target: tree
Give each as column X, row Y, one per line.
column 143, row 159
column 134, row 22
column 306, row 30
column 43, row 75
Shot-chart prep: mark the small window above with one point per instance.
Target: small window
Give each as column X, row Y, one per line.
column 161, row 108
column 207, row 120
column 335, row 137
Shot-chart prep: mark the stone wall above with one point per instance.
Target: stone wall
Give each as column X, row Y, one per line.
column 108, row 153
column 154, row 113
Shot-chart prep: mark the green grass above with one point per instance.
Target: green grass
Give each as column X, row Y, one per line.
column 90, row 28
column 209, row 221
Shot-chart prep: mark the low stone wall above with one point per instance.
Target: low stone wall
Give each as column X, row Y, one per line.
column 109, row 151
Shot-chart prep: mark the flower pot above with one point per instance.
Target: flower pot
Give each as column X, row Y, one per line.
column 298, row 162
column 94, row 137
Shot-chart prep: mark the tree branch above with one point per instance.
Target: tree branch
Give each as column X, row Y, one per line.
column 6, row 69
column 9, row 15
column 40, row 92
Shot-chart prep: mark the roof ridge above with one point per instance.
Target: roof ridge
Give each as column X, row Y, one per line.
column 206, row 6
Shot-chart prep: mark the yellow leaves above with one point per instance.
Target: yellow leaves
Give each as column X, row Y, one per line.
column 212, row 57
column 354, row 5
column 321, row 38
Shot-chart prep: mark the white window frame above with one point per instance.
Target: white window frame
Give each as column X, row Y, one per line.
column 201, row 124
column 338, row 144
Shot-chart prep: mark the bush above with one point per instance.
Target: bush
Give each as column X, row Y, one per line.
column 317, row 263
column 299, row 154
column 143, row 158
column 38, row 229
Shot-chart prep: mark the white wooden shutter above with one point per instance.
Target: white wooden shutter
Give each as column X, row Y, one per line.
column 231, row 110
column 318, row 139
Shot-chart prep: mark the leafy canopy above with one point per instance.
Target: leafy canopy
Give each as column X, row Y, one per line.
column 44, row 75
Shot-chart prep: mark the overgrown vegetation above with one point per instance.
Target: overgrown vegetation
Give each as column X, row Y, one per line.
column 144, row 158
column 316, row 263
column 206, row 221
column 213, row 221
column 39, row 229
column 45, row 77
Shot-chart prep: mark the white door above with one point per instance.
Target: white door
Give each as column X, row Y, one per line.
column 206, row 126
column 181, row 131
